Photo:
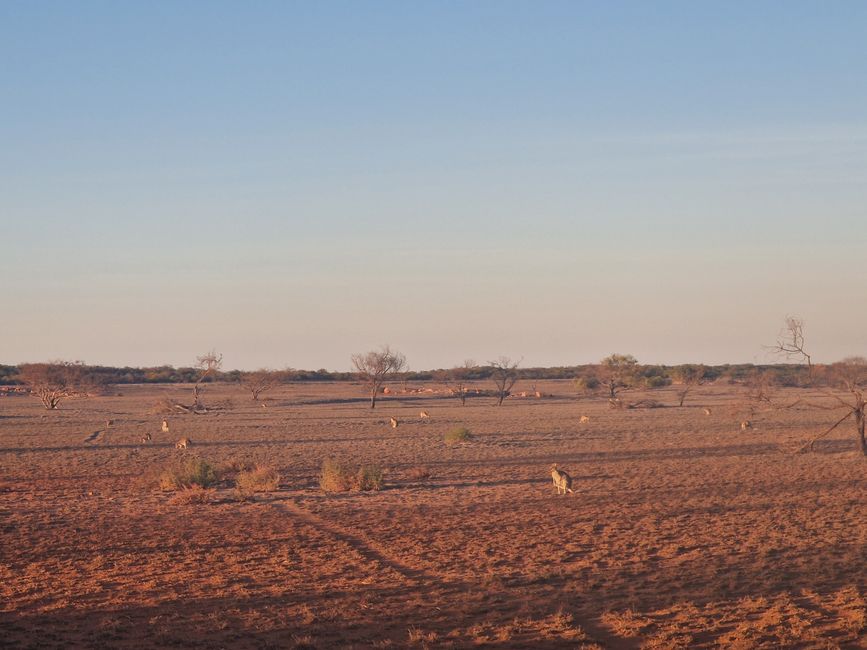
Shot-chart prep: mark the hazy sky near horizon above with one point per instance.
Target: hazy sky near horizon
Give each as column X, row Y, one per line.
column 292, row 182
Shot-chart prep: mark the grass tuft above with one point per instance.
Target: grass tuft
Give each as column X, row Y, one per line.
column 193, row 494
column 418, row 473
column 340, row 477
column 458, row 435
column 186, row 472
column 259, row 479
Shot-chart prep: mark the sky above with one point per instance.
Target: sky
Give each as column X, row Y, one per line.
column 293, row 182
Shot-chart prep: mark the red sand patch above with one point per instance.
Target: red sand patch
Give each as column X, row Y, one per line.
column 684, row 532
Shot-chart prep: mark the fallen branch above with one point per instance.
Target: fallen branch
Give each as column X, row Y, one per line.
column 822, row 435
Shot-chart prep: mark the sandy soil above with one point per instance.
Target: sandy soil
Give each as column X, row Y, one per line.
column 684, row 530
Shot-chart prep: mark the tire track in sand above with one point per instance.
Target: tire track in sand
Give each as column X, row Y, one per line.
column 369, row 551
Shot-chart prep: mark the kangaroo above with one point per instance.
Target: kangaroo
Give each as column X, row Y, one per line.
column 707, row 411
column 393, row 422
column 165, row 426
column 424, row 415
column 108, row 423
column 146, row 438
column 183, row 443
column 562, row 481
column 746, row 424
column 584, row 419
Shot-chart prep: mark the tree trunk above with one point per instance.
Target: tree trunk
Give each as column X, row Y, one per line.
column 859, row 423
column 373, row 396
column 501, row 398
column 463, row 398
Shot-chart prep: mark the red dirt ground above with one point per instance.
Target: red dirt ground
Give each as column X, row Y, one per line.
column 684, row 532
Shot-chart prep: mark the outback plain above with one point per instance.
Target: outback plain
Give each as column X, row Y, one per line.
column 684, row 531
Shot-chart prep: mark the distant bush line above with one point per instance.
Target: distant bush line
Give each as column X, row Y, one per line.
column 654, row 375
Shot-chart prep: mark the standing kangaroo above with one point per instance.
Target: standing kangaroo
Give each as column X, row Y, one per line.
column 562, row 480
column 393, row 422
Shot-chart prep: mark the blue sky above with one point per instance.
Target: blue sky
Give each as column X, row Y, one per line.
column 294, row 182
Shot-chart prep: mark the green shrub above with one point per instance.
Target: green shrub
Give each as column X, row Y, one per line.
column 458, row 434
column 187, row 472
column 340, row 477
column 656, row 381
column 259, row 479
column 586, row 384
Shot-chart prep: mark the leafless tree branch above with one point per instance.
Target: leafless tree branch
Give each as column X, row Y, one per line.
column 376, row 366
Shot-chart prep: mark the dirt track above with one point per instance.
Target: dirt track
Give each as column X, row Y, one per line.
column 684, row 531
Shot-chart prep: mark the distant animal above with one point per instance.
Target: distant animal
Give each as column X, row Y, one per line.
column 584, row 419
column 108, row 423
column 746, row 424
column 707, row 411
column 562, row 480
column 424, row 415
column 165, row 426
column 146, row 438
column 393, row 422
column 183, row 443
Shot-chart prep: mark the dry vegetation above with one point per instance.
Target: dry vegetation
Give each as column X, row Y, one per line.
column 342, row 477
column 458, row 435
column 684, row 532
column 260, row 478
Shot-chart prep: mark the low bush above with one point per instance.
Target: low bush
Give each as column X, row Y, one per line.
column 340, row 477
column 418, row 473
column 646, row 404
column 193, row 494
column 657, row 381
column 259, row 479
column 586, row 384
column 230, row 468
column 368, row 477
column 186, row 472
column 458, row 434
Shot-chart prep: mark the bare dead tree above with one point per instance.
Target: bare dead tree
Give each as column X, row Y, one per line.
column 456, row 379
column 505, row 375
column 759, row 386
column 376, row 366
column 209, row 364
column 54, row 381
column 850, row 375
column 259, row 381
column 689, row 377
column 790, row 341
